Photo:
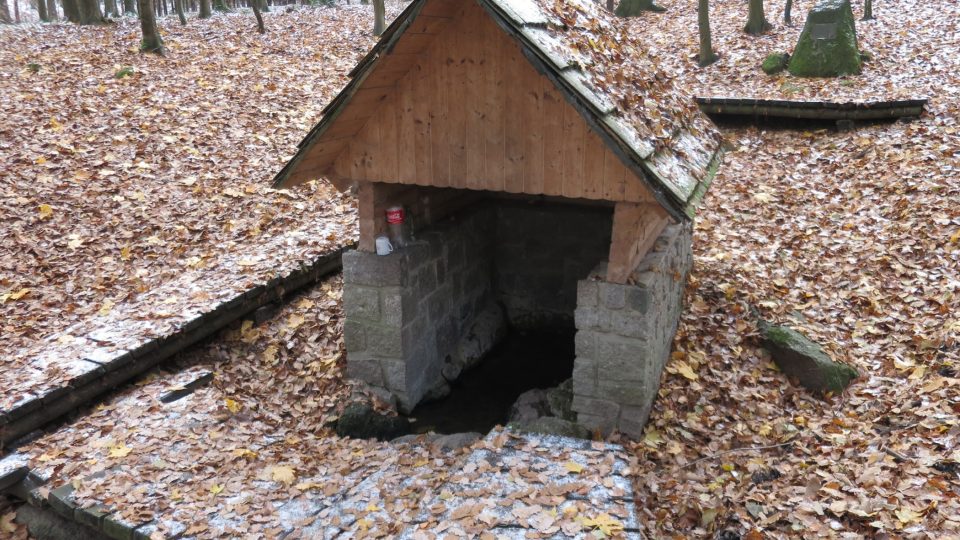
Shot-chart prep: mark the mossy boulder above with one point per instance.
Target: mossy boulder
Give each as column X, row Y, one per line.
column 775, row 63
column 828, row 44
column 360, row 421
column 633, row 8
column 798, row 356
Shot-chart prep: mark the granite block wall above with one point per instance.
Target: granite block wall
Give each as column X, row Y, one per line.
column 406, row 312
column 624, row 336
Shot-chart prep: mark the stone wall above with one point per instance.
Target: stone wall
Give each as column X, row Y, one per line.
column 624, row 336
column 541, row 251
column 406, row 312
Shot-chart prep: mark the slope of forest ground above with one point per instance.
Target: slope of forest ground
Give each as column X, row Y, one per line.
column 853, row 237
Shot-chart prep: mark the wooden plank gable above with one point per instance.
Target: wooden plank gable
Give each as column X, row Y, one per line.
column 472, row 113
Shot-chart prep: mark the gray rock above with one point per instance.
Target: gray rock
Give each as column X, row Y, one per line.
column 488, row 329
column 797, row 356
column 549, row 425
column 360, row 421
column 531, row 405
column 560, row 400
column 417, row 438
column 537, row 403
column 439, row 390
column 456, row 441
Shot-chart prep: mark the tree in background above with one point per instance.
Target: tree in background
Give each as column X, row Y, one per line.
column 255, row 4
column 178, row 6
column 205, row 11
column 379, row 17
column 633, row 8
column 756, row 20
column 83, row 11
column 42, row 11
column 786, row 13
column 129, row 7
column 4, row 12
column 151, row 41
column 868, row 10
column 706, row 56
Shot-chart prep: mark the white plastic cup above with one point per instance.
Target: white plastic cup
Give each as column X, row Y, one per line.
column 384, row 247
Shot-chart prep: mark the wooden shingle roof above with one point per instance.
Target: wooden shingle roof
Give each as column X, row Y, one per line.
column 608, row 75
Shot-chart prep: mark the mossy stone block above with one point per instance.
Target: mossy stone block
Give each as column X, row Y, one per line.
column 828, row 44
column 91, row 517
column 61, row 500
column 798, row 356
column 118, row 528
column 775, row 63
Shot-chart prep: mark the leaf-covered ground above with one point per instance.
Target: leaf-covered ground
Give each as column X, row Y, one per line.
column 913, row 44
column 116, row 185
column 853, row 237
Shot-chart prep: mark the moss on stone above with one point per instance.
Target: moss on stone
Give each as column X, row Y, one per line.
column 633, row 8
column 775, row 63
column 828, row 44
column 798, row 356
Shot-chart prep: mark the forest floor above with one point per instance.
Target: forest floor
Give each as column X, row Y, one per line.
column 113, row 185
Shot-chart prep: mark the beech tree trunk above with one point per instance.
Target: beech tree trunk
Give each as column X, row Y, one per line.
column 379, row 15
column 4, row 12
column 70, row 10
column 756, row 21
column 786, row 13
column 151, row 42
column 129, row 7
column 868, row 10
column 255, row 4
column 42, row 11
column 205, row 11
column 707, row 56
column 52, row 10
column 16, row 11
column 178, row 5
column 110, row 8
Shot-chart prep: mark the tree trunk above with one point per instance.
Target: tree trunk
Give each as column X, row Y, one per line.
column 178, row 5
column 379, row 16
column 255, row 4
column 4, row 12
column 52, row 10
column 42, row 11
column 129, row 7
column 111, row 8
column 151, row 41
column 868, row 10
column 633, row 8
column 90, row 12
column 70, row 10
column 707, row 56
column 264, row 6
column 787, row 9
column 220, row 5
column 16, row 11
column 756, row 21
column 205, row 12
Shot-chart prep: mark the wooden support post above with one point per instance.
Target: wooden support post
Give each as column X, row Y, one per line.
column 366, row 208
column 635, row 229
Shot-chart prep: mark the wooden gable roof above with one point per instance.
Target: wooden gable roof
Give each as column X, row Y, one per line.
column 649, row 140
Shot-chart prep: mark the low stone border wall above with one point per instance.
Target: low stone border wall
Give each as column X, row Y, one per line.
column 101, row 369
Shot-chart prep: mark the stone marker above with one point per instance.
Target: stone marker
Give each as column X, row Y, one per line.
column 828, row 44
column 798, row 356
